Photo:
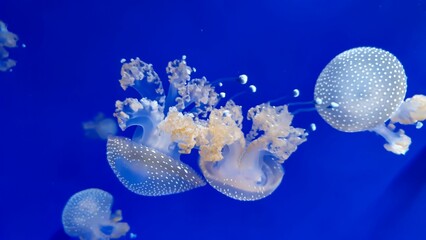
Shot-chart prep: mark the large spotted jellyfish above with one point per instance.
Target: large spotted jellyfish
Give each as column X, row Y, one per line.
column 7, row 40
column 87, row 215
column 150, row 164
column 361, row 89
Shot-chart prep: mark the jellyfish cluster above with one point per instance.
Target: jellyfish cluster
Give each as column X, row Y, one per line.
column 190, row 118
column 361, row 89
column 7, row 40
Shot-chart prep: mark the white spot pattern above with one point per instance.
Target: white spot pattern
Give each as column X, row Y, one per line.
column 240, row 185
column 88, row 213
column 368, row 84
column 148, row 172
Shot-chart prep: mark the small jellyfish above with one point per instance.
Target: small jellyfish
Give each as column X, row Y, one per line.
column 150, row 163
column 361, row 89
column 7, row 39
column 87, row 215
column 100, row 127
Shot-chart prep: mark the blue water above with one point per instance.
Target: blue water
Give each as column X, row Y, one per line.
column 337, row 185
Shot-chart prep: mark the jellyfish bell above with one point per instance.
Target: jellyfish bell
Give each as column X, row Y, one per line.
column 244, row 176
column 368, row 84
column 362, row 88
column 87, row 215
column 147, row 171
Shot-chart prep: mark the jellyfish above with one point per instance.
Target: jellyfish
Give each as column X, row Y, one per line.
column 7, row 40
column 361, row 89
column 247, row 168
column 150, row 164
column 100, row 127
column 87, row 215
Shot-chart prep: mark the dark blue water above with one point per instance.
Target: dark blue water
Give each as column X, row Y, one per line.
column 337, row 185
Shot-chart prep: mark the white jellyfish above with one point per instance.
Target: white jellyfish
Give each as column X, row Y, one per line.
column 150, row 164
column 361, row 89
column 7, row 40
column 87, row 215
column 100, row 127
column 247, row 168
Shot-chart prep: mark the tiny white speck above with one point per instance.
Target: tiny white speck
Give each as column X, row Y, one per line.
column 243, row 78
column 296, row 92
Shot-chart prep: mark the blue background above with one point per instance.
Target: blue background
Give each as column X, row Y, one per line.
column 337, row 185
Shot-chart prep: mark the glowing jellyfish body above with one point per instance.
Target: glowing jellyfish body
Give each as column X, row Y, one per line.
column 7, row 39
column 87, row 215
column 148, row 172
column 248, row 168
column 359, row 90
column 150, row 164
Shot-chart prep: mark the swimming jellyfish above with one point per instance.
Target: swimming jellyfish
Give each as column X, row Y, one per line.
column 100, row 127
column 7, row 39
column 247, row 168
column 87, row 215
column 150, row 164
column 361, row 89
